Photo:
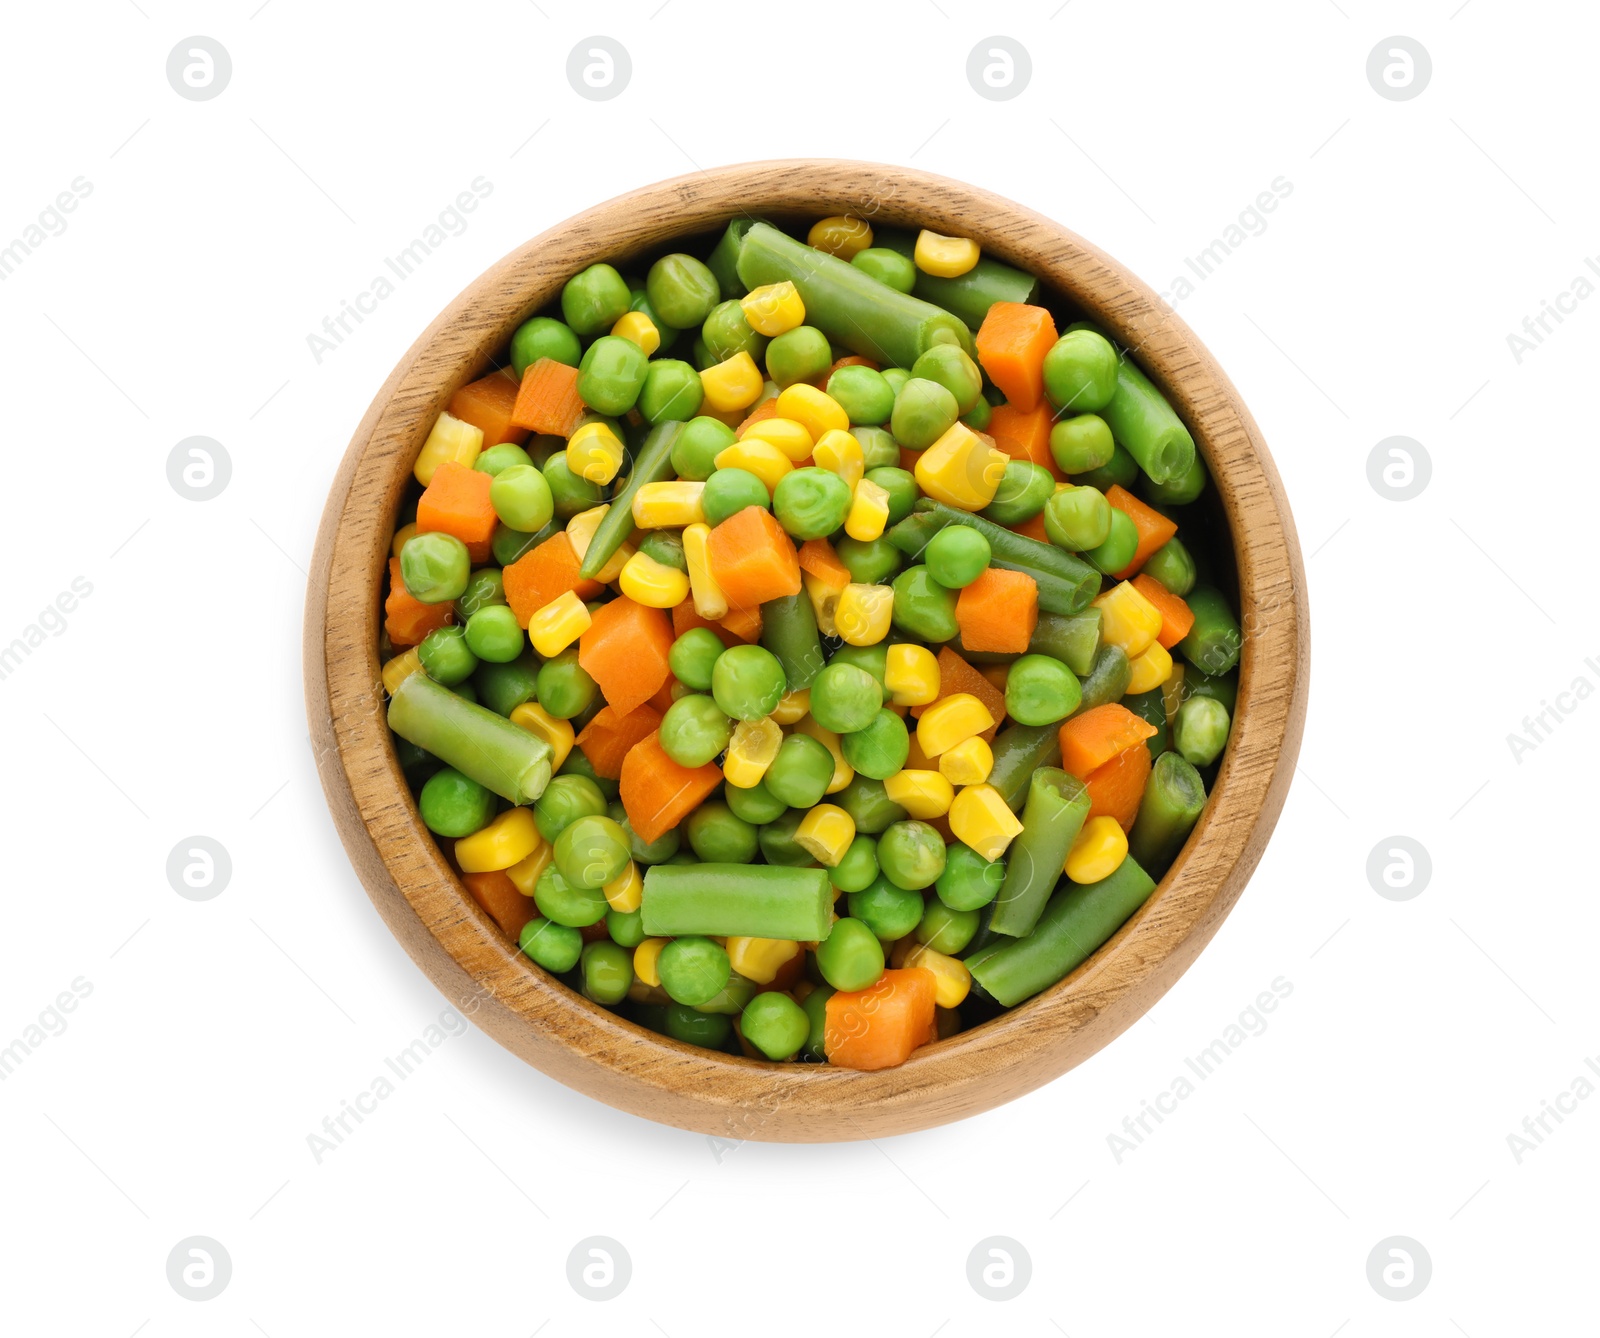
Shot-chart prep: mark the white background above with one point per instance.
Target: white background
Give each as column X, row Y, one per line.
column 219, row 1034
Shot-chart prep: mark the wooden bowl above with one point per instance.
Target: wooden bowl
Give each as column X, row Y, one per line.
column 588, row 1047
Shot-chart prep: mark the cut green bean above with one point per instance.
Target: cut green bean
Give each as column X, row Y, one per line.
column 481, row 745
column 789, row 631
column 1214, row 641
column 652, row 464
column 1019, row 751
column 724, row 258
column 1151, row 707
column 968, row 295
column 1107, row 680
column 1173, row 798
column 1145, row 425
column 1057, row 804
column 758, row 900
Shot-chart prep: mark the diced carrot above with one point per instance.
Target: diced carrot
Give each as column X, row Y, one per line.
column 996, row 674
column 624, row 649
column 1090, row 740
column 685, row 617
column 956, row 675
column 1025, row 434
column 661, row 703
column 1012, row 342
column 752, row 559
column 1033, row 528
column 1117, row 786
column 853, row 360
column 745, row 624
column 1176, row 619
column 766, row 409
column 657, row 792
column 1154, row 528
column 489, row 405
column 407, row 619
column 908, row 460
column 544, row 574
column 456, row 501
column 606, row 739
column 818, row 559
column 998, row 611
column 502, row 900
column 879, row 1027
column 548, row 400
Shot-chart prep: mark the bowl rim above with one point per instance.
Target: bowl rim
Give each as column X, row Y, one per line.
column 588, row 1047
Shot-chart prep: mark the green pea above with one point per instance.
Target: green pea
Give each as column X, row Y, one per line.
column 694, row 730
column 717, row 836
column 592, row 851
column 1173, row 566
column 693, row 656
column 594, row 300
column 1080, row 372
column 956, row 556
column 901, row 487
column 566, row 799
column 545, row 337
column 727, row 332
column 693, row 1027
column 869, row 561
column 851, row 957
column 612, row 374
column 880, row 749
column 553, row 946
column 694, row 453
column 888, row 267
column 801, row 772
column 878, row 447
column 497, row 459
column 811, row 503
column 564, row 687
column 778, row 845
column 844, row 698
column 641, row 303
column 978, row 416
column 923, row 412
column 800, row 354
column 693, row 970
column 493, row 634
column 729, row 491
column 756, row 805
column 1082, row 443
column 815, row 1007
column 897, row 378
column 863, row 394
column 1023, row 492
column 1120, row 545
column 922, row 607
column 911, row 854
column 659, row 851
column 1040, row 690
column 626, row 928
column 857, row 867
column 1078, row 518
column 579, row 766
column 559, row 900
column 504, row 687
column 671, row 393
column 775, row 1024
column 1200, row 730
column 701, row 356
column 446, row 655
column 874, row 659
column 869, row 806
column 747, row 682
column 607, row 972
column 452, row 805
column 945, row 930
column 954, row 370
column 888, row 911
column 1120, row 469
column 521, row 498
column 435, row 567
column 969, row 882
column 665, row 547
column 569, row 492
column 508, row 544
column 682, row 289
column 484, row 587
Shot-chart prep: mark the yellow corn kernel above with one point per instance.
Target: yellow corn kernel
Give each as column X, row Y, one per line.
column 1172, row 691
column 659, row 506
column 625, row 892
column 594, row 453
column 980, row 818
column 1127, row 619
column 400, row 536
column 923, row 794
column 968, row 763
column 759, row 456
column 869, row 512
column 774, row 308
column 839, row 451
column 825, row 833
column 840, row 235
column 759, row 959
column 843, row 772
column 793, row 707
column 815, row 410
column 558, row 624
column 508, row 840
column 951, row 979
column 653, row 584
column 557, row 733
column 750, row 751
column 450, row 439
column 526, row 873
column 824, row 602
column 863, row 613
column 709, row 601
column 961, row 469
column 944, row 257
column 580, row 533
column 1098, row 852
column 637, row 328
column 953, row 720
column 732, row 384
column 396, row 671
column 1150, row 670
column 787, row 435
column 645, row 959
column 911, row 674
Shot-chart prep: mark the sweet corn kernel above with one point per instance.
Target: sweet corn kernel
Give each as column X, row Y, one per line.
column 637, row 328
column 1098, row 852
column 923, row 794
column 951, row 979
column 839, row 451
column 951, row 721
column 1150, row 670
column 594, row 453
column 759, row 959
column 526, row 874
column 787, row 435
column 625, row 892
column 557, row 733
column 396, row 671
column 911, row 674
column 750, row 751
column 1172, row 691
column 824, row 602
column 653, row 584
column 843, row 772
column 709, row 601
column 961, row 469
column 759, row 456
column 508, row 840
column 792, row 707
column 732, row 384
column 1127, row 619
column 645, row 959
column 863, row 613
column 450, row 439
column 980, row 818
column 658, row 506
column 826, row 833
column 869, row 512
column 840, row 235
column 400, row 536
column 944, row 257
column 558, row 624
column 774, row 308
column 815, row 410
column 968, row 763
column 580, row 533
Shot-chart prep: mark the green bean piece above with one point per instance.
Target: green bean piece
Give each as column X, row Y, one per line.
column 1107, row 680
column 1214, row 642
column 1173, row 799
column 479, row 744
column 968, row 295
column 1223, row 687
column 1057, row 804
column 1071, row 638
column 1180, row 491
column 723, row 261
column 815, row 1006
column 758, row 900
column 1172, row 565
column 1151, row 707
column 1200, row 730
column 652, row 464
column 1019, row 751
column 789, row 631
column 1145, row 425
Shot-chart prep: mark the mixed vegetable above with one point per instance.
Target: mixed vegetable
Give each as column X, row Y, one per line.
column 829, row 686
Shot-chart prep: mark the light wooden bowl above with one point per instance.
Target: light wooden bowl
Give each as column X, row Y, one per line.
column 586, row 1046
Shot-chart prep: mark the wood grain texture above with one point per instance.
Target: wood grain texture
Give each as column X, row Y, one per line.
column 588, row 1047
